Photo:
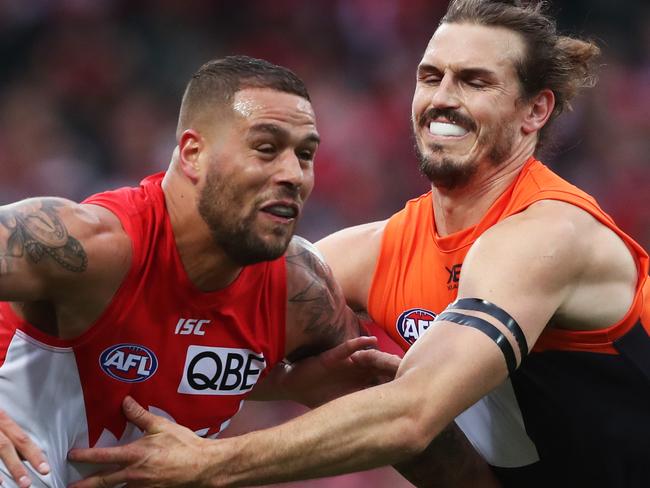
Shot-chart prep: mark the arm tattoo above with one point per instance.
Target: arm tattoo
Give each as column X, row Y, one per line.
column 37, row 232
column 318, row 304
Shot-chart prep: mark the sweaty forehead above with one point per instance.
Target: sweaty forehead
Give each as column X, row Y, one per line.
column 254, row 104
column 471, row 45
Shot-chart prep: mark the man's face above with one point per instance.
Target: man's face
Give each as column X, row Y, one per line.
column 465, row 108
column 259, row 172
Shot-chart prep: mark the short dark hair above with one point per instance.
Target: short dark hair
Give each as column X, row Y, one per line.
column 215, row 83
column 551, row 61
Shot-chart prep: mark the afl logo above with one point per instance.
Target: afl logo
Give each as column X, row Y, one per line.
column 130, row 363
column 412, row 323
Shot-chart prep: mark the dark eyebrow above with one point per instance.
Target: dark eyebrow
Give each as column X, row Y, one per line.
column 313, row 137
column 427, row 68
column 280, row 132
column 476, row 73
column 273, row 129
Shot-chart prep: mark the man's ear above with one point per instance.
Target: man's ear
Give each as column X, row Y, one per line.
column 190, row 145
column 539, row 109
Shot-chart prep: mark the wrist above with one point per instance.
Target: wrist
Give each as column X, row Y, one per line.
column 224, row 462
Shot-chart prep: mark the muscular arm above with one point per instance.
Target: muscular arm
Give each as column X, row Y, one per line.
column 45, row 244
column 36, row 247
column 322, row 334
column 61, row 261
column 317, row 315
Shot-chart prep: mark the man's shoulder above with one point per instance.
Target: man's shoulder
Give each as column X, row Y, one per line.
column 352, row 254
column 359, row 239
column 555, row 220
column 305, row 264
column 556, row 237
column 131, row 199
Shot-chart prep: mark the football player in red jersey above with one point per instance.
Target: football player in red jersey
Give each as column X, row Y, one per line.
column 193, row 275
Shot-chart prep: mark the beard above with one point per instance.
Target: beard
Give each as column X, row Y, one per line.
column 452, row 173
column 445, row 172
column 218, row 205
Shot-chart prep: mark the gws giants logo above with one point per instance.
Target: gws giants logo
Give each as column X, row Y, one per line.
column 220, row 370
column 413, row 323
column 129, row 362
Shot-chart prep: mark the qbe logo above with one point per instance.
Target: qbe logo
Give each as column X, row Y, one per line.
column 412, row 323
column 130, row 363
column 220, row 371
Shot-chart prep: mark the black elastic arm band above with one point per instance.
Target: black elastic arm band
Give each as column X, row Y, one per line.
column 498, row 313
column 489, row 330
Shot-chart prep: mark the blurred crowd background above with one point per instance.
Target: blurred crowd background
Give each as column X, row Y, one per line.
column 90, row 89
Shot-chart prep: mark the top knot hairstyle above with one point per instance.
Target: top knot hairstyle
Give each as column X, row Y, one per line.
column 214, row 85
column 551, row 61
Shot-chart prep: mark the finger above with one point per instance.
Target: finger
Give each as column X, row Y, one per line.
column 137, row 415
column 382, row 362
column 104, row 479
column 102, row 455
column 344, row 350
column 23, row 444
column 13, row 463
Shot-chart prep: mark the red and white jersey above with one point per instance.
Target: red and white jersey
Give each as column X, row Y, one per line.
column 184, row 354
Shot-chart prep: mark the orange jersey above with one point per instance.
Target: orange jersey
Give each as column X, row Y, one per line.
column 562, row 380
column 418, row 271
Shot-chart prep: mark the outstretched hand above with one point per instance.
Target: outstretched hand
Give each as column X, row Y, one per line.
column 15, row 445
column 168, row 455
column 351, row 366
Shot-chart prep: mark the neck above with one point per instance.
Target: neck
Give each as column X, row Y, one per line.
column 206, row 264
column 464, row 207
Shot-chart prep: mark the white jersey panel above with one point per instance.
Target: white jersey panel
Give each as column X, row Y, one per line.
column 40, row 390
column 495, row 427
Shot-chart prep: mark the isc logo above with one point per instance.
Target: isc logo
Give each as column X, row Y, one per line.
column 220, row 371
column 190, row 326
column 413, row 323
column 128, row 362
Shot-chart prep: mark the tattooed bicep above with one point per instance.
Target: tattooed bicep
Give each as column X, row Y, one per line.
column 317, row 311
column 33, row 232
column 308, row 271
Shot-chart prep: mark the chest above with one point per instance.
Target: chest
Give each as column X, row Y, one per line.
column 417, row 284
column 190, row 357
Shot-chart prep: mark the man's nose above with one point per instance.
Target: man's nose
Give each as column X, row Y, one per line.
column 446, row 94
column 291, row 171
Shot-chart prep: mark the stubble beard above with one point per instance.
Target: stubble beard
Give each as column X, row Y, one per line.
column 237, row 238
column 451, row 173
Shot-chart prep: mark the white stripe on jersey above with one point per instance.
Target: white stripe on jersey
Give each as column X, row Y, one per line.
column 495, row 427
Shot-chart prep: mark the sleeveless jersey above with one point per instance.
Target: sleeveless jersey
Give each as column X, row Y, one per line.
column 184, row 354
column 577, row 411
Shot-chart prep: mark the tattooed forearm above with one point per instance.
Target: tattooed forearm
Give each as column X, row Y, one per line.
column 317, row 302
column 36, row 231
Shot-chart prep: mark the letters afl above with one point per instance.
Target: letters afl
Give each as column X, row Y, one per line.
column 412, row 323
column 130, row 363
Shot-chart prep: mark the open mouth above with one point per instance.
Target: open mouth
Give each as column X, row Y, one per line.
column 447, row 123
column 446, row 129
column 285, row 211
